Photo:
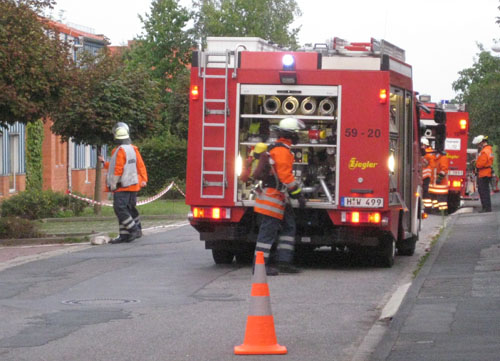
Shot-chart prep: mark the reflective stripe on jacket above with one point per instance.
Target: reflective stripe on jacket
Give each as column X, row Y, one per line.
column 441, row 167
column 271, row 201
column 122, row 166
column 484, row 162
column 429, row 160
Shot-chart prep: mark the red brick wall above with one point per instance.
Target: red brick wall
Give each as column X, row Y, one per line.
column 4, row 185
column 86, row 187
column 55, row 161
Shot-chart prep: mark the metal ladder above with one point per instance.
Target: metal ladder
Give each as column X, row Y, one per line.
column 208, row 58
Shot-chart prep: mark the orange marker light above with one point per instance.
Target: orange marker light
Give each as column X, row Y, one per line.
column 374, row 217
column 457, row 184
column 198, row 212
column 195, row 93
column 463, row 124
column 383, row 96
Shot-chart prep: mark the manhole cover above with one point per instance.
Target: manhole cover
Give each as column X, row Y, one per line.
column 100, row 301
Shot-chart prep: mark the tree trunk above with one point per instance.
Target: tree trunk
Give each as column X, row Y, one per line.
column 98, row 183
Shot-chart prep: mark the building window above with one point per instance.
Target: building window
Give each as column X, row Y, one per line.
column 14, row 161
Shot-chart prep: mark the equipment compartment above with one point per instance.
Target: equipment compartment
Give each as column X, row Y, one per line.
column 262, row 106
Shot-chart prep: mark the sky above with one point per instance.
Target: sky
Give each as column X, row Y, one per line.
column 439, row 36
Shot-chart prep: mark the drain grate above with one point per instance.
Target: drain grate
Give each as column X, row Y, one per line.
column 100, row 301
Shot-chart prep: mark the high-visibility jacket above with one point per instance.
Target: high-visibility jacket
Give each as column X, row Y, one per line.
column 271, row 201
column 429, row 160
column 484, row 161
column 121, row 161
column 439, row 184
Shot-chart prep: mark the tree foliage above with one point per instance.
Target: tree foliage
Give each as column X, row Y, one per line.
column 267, row 19
column 102, row 93
column 479, row 88
column 165, row 50
column 34, row 169
column 34, row 65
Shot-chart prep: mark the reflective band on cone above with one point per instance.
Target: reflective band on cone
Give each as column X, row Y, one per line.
column 260, row 336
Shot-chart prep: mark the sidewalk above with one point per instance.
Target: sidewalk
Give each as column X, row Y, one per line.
column 452, row 309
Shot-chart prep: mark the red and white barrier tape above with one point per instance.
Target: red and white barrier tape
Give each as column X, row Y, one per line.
column 140, row 203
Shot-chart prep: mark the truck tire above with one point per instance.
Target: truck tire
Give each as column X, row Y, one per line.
column 453, row 202
column 222, row 256
column 406, row 247
column 244, row 257
column 387, row 251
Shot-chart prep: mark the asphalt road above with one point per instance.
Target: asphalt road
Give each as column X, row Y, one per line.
column 163, row 298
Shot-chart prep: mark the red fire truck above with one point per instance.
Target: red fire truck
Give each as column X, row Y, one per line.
column 454, row 141
column 358, row 160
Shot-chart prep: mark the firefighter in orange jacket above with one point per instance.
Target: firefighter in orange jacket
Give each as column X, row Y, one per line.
column 428, row 160
column 277, row 216
column 484, row 163
column 126, row 176
column 439, row 183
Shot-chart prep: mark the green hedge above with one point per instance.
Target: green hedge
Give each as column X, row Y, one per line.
column 41, row 204
column 165, row 159
column 14, row 227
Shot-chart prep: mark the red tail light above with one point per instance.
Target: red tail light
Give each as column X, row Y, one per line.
column 383, row 96
column 361, row 217
column 195, row 93
column 215, row 213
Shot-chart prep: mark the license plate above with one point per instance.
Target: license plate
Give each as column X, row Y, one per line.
column 361, row 202
column 456, row 172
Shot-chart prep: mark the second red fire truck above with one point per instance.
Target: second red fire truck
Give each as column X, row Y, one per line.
column 358, row 160
column 453, row 140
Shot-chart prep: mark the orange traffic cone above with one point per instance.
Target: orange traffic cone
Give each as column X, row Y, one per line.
column 260, row 337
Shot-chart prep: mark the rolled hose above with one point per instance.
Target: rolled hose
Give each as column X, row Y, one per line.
column 326, row 107
column 290, row 105
column 272, row 105
column 308, row 106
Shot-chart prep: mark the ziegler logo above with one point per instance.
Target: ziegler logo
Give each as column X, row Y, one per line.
column 354, row 163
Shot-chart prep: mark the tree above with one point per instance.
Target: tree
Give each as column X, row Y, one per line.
column 165, row 49
column 34, row 62
column 267, row 19
column 103, row 92
column 479, row 88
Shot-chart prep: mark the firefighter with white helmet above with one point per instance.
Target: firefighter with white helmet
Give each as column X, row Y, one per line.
column 126, row 176
column 277, row 215
column 484, row 163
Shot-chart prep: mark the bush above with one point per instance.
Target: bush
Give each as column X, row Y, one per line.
column 14, row 227
column 165, row 158
column 40, row 204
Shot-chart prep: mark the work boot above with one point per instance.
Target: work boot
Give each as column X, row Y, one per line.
column 285, row 267
column 120, row 239
column 271, row 271
column 134, row 234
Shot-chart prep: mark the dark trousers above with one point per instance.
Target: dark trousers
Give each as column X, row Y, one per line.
column 483, row 185
column 269, row 230
column 124, row 205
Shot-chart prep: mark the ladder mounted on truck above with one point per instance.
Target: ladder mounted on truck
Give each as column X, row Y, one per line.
column 214, row 117
column 345, row 47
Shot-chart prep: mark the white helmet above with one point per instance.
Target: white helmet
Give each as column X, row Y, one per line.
column 121, row 131
column 478, row 139
column 291, row 124
column 424, row 141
